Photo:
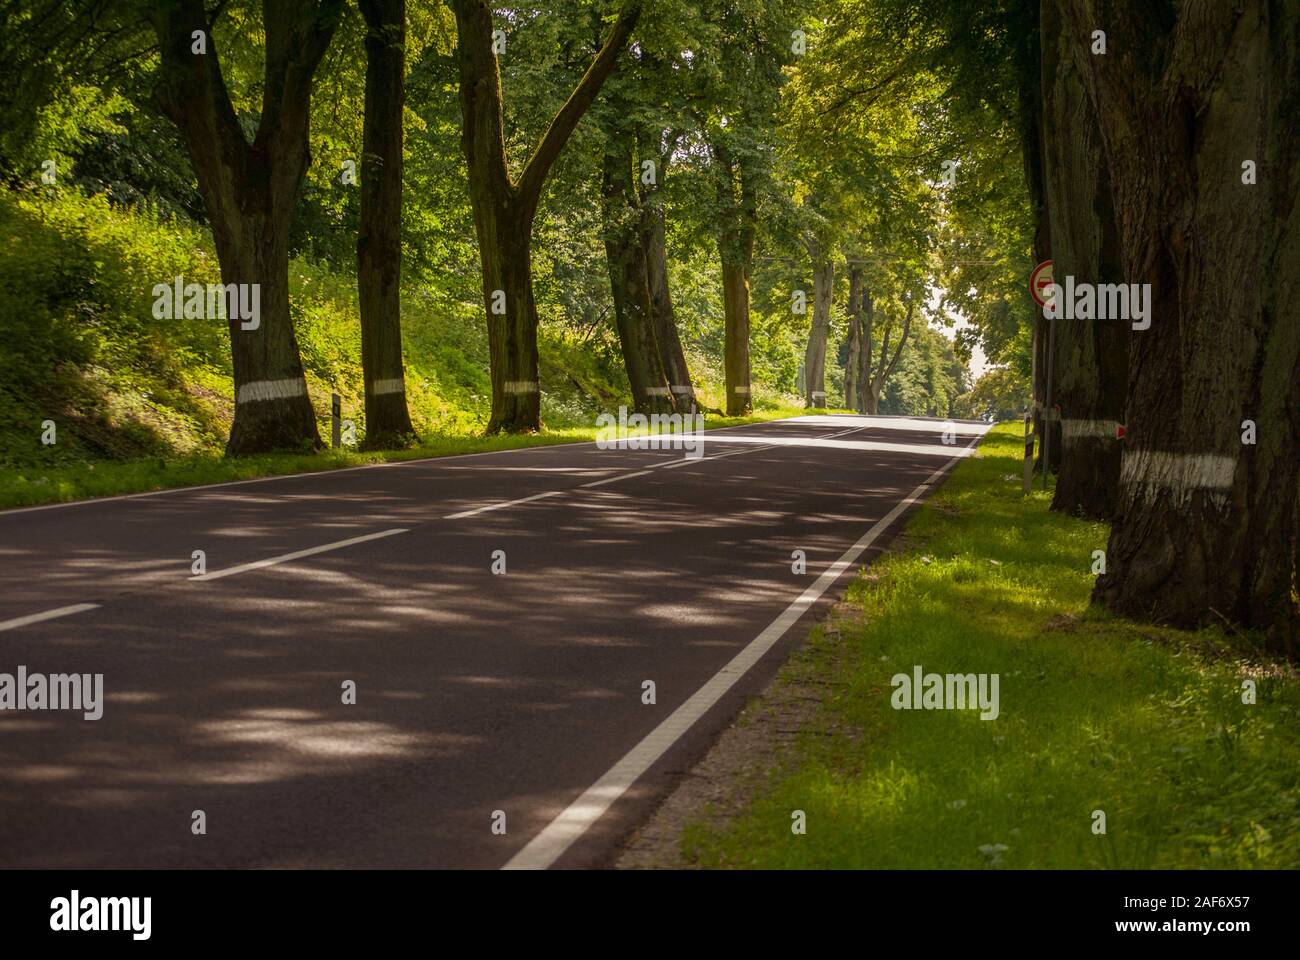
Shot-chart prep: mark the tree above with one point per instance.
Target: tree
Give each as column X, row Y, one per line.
column 505, row 208
column 823, row 272
column 249, row 191
column 1197, row 122
column 885, row 363
column 1091, row 356
column 379, row 241
column 853, row 380
column 629, row 276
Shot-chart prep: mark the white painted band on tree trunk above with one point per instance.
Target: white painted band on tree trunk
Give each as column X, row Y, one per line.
column 521, row 386
column 1080, row 429
column 395, row 385
column 740, row 390
column 680, row 389
column 657, row 391
column 1179, row 472
column 271, row 390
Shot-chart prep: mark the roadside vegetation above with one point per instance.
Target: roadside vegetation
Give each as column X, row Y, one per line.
column 1143, row 723
column 142, row 404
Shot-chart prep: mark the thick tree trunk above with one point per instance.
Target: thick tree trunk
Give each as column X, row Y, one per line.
column 853, row 361
column 379, row 240
column 663, row 318
column 738, row 222
column 815, row 354
column 629, row 280
column 659, row 145
column 504, row 210
column 1030, row 103
column 1206, row 524
column 1091, row 367
column 868, row 325
column 249, row 192
column 735, row 306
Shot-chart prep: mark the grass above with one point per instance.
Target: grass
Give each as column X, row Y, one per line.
column 33, row 485
column 1145, row 724
column 141, row 404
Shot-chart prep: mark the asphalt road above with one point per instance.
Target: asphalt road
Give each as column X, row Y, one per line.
column 475, row 692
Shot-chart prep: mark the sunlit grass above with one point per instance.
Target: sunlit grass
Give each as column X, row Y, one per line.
column 1145, row 724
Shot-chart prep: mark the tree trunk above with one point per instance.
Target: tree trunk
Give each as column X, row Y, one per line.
column 815, row 354
column 629, row 280
column 504, row 210
column 854, row 360
column 735, row 305
column 737, row 204
column 659, row 145
column 886, row 364
column 1030, row 104
column 1206, row 524
column 249, row 192
column 868, row 324
column 379, row 240
column 1091, row 367
column 663, row 318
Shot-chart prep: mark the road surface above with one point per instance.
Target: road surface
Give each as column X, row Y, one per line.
column 482, row 699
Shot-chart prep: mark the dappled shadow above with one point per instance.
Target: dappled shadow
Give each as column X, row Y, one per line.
column 475, row 692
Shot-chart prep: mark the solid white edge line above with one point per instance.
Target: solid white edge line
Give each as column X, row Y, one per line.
column 47, row 615
column 550, row 844
column 297, row 554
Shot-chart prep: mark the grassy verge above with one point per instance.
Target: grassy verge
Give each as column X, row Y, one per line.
column 1096, row 714
column 33, row 485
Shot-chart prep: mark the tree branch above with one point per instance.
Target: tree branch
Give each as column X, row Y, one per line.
column 564, row 122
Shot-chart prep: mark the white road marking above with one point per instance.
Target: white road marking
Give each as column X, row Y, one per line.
column 502, row 505
column 620, row 476
column 47, row 615
column 551, row 843
column 298, row 554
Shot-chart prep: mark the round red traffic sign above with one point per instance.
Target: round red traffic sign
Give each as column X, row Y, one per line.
column 1040, row 281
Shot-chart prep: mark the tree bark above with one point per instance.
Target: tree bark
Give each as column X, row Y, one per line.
column 653, row 230
column 738, row 201
column 867, row 323
column 629, row 279
column 663, row 317
column 379, row 240
column 249, row 191
column 1030, row 102
column 815, row 354
column 853, row 362
column 1206, row 524
column 1091, row 365
column 504, row 211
